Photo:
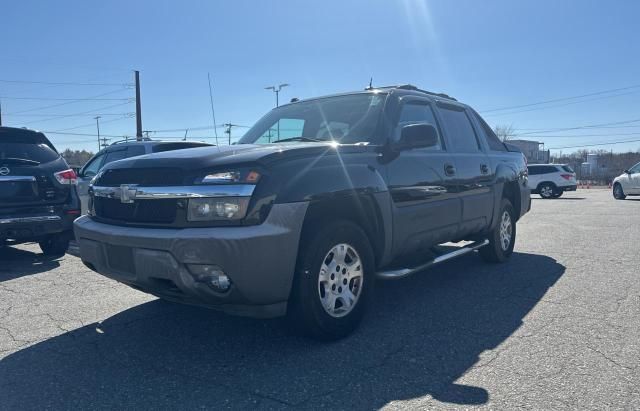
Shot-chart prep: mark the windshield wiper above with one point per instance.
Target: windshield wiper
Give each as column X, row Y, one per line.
column 19, row 160
column 308, row 139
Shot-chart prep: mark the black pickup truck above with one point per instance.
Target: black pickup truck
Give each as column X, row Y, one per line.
column 320, row 198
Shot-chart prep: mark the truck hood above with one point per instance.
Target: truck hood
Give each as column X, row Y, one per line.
column 205, row 157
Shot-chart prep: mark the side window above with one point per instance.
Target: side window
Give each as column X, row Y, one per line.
column 92, row 168
column 533, row 171
column 492, row 140
column 635, row 169
column 414, row 112
column 115, row 156
column 458, row 128
column 281, row 129
column 133, row 151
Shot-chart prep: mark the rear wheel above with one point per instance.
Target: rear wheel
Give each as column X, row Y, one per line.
column 333, row 282
column 55, row 245
column 546, row 190
column 618, row 192
column 503, row 236
column 557, row 193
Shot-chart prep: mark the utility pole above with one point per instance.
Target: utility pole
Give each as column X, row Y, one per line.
column 0, row 113
column 277, row 91
column 98, row 127
column 228, row 130
column 138, row 108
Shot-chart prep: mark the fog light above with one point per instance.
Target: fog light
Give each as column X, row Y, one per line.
column 212, row 275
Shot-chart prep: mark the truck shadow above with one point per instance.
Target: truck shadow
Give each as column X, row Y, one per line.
column 422, row 334
column 16, row 262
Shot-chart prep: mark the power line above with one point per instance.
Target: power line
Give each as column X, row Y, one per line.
column 65, row 83
column 74, row 101
column 597, row 144
column 583, row 135
column 93, row 112
column 128, row 115
column 562, row 99
column 64, row 99
column 556, row 105
column 552, row 130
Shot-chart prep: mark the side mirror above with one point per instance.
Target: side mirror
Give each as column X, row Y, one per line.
column 419, row 135
column 627, row 171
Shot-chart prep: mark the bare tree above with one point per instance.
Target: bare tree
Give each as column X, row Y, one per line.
column 504, row 132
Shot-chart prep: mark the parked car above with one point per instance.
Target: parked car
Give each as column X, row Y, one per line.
column 38, row 199
column 551, row 180
column 319, row 198
column 119, row 151
column 627, row 184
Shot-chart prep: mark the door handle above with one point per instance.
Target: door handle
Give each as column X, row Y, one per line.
column 484, row 169
column 449, row 169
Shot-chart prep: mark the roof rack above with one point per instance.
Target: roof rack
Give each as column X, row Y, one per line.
column 414, row 88
column 131, row 140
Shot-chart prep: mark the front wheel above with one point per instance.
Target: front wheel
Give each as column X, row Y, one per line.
column 618, row 192
column 503, row 236
column 333, row 282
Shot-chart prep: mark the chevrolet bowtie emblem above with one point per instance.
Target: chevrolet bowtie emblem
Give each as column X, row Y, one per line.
column 127, row 193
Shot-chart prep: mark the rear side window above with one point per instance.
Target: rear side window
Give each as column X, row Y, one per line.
column 177, row 146
column 568, row 169
column 492, row 140
column 115, row 156
column 537, row 170
column 458, row 128
column 413, row 113
column 133, row 151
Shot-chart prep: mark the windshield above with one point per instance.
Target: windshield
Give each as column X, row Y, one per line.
column 345, row 119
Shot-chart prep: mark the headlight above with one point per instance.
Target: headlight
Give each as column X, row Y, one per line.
column 230, row 177
column 217, row 208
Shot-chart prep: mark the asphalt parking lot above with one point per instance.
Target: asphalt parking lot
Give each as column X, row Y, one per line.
column 558, row 326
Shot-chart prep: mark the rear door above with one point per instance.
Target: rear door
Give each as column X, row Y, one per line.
column 422, row 186
column 475, row 173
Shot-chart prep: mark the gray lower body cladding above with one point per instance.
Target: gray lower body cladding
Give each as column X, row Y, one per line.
column 260, row 260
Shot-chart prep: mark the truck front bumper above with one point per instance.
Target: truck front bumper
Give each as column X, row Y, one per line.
column 259, row 260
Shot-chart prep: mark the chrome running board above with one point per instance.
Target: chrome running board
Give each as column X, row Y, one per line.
column 405, row 272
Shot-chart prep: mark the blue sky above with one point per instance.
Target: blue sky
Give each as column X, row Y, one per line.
column 489, row 54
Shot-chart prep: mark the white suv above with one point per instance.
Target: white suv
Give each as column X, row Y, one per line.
column 628, row 183
column 551, row 180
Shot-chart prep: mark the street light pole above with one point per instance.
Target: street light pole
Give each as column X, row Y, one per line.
column 98, row 127
column 277, row 91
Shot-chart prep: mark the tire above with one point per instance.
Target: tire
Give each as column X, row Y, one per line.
column 618, row 192
column 546, row 190
column 497, row 251
column 318, row 304
column 55, row 245
column 557, row 193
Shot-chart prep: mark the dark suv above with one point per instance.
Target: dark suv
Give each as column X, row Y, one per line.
column 38, row 199
column 319, row 198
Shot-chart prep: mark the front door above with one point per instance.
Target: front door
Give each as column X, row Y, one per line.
column 422, row 186
column 84, row 178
